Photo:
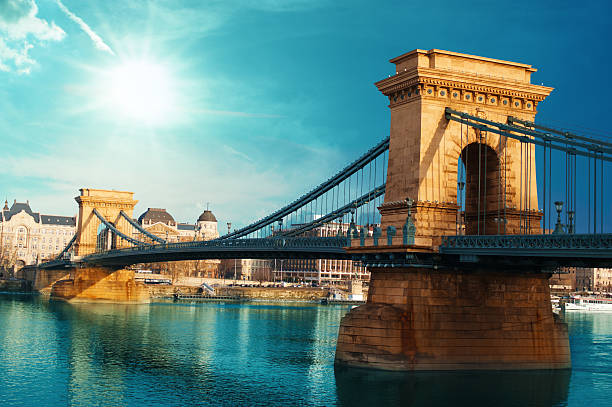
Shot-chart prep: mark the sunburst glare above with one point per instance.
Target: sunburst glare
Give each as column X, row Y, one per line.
column 141, row 90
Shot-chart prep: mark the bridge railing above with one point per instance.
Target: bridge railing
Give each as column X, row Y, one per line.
column 274, row 243
column 560, row 241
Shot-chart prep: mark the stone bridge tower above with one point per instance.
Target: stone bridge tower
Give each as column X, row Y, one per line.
column 427, row 150
column 109, row 204
column 424, row 315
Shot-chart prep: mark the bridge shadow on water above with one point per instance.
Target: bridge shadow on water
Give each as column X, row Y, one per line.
column 357, row 387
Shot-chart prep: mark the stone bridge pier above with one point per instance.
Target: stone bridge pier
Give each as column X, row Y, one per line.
column 454, row 317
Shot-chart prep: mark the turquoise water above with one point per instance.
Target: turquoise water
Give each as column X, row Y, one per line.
column 165, row 354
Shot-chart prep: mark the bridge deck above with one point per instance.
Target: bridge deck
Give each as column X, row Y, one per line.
column 550, row 250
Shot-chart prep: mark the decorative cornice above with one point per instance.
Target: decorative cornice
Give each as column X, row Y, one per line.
column 425, row 83
column 105, row 203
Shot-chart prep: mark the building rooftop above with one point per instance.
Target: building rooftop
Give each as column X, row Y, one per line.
column 17, row 207
column 207, row 216
column 155, row 215
column 58, row 220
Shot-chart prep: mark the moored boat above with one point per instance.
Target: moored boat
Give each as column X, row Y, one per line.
column 590, row 304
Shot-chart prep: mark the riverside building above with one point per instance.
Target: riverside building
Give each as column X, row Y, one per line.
column 159, row 222
column 321, row 271
column 593, row 279
column 29, row 237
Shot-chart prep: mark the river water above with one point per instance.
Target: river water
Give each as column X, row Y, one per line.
column 164, row 354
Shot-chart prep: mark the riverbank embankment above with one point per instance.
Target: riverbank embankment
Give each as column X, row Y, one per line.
column 248, row 293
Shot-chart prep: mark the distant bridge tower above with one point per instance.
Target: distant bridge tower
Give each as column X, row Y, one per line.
column 109, row 204
column 498, row 174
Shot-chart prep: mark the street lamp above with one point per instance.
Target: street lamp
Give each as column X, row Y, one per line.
column 558, row 227
column 352, row 228
column 196, row 229
column 340, row 231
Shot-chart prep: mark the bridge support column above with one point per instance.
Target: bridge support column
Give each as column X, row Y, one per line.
column 424, row 319
column 92, row 284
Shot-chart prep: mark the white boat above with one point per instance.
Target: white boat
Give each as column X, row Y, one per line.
column 555, row 302
column 590, row 304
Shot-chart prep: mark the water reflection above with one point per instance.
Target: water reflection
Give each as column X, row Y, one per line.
column 186, row 354
column 357, row 387
column 118, row 351
column 55, row 353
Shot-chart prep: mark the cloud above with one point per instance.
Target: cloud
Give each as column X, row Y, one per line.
column 98, row 42
column 19, row 57
column 237, row 153
column 21, row 29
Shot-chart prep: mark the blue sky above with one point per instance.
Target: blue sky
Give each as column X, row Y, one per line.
column 262, row 99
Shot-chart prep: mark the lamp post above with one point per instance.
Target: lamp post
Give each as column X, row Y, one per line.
column 234, row 271
column 461, row 185
column 196, row 229
column 352, row 226
column 558, row 227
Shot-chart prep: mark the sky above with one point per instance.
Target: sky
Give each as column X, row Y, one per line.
column 246, row 105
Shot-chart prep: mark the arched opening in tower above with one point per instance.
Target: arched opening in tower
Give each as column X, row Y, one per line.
column 102, row 238
column 480, row 191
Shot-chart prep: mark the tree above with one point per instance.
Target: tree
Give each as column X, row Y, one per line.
column 8, row 259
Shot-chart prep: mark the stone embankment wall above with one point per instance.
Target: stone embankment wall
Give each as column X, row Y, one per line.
column 276, row 293
column 255, row 293
column 15, row 286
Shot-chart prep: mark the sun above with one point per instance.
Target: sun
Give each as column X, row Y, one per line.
column 141, row 90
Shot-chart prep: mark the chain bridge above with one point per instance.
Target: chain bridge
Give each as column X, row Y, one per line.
column 461, row 215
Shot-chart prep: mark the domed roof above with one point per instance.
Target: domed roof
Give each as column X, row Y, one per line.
column 207, row 216
column 154, row 215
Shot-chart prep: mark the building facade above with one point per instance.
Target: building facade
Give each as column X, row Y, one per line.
column 247, row 269
column 159, row 222
column 593, row 279
column 29, row 237
column 321, row 271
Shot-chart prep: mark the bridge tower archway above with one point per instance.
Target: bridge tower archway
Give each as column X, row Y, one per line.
column 480, row 191
column 109, row 204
